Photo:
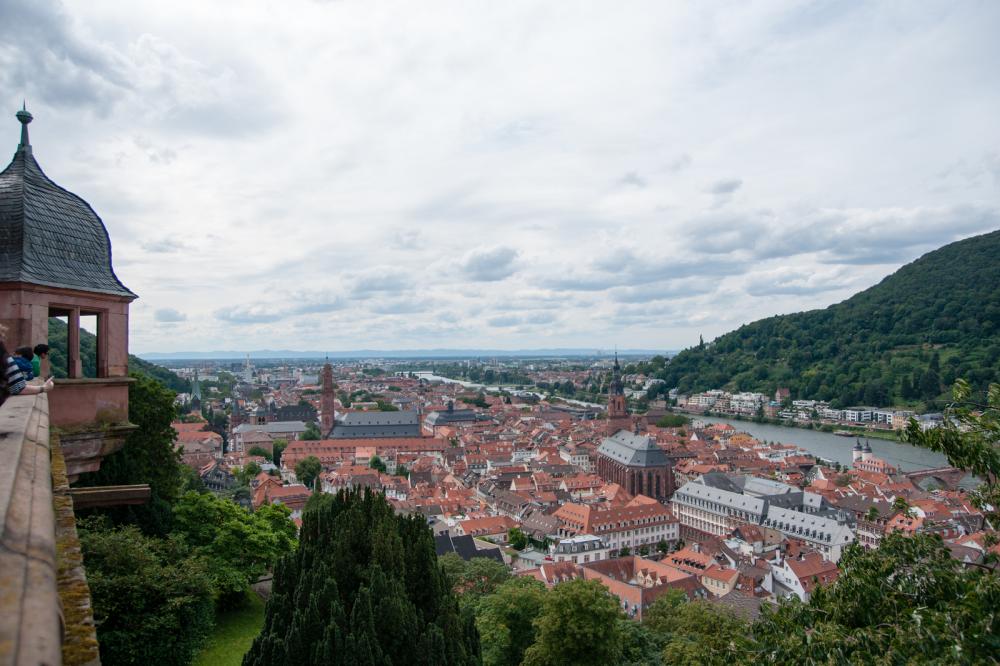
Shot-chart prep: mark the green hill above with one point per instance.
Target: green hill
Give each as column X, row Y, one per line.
column 903, row 341
column 88, row 357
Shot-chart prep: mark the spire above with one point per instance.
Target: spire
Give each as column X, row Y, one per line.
column 24, row 117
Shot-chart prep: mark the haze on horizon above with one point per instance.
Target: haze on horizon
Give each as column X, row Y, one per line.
column 346, row 175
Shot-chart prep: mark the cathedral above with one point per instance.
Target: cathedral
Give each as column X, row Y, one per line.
column 626, row 456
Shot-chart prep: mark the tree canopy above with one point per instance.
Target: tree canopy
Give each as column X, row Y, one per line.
column 241, row 546
column 578, row 626
column 307, row 470
column 364, row 587
column 152, row 599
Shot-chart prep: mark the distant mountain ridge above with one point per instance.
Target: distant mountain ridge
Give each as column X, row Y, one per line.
column 902, row 341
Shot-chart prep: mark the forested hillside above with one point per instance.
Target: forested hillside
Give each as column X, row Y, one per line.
column 88, row 356
column 903, row 341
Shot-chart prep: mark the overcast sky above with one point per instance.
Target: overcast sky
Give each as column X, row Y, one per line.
column 347, row 175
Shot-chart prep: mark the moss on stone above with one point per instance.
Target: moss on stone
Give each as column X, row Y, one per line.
column 80, row 647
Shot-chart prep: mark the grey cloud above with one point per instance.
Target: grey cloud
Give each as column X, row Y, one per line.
column 163, row 246
column 156, row 155
column 44, row 59
column 633, row 179
column 533, row 319
column 407, row 239
column 868, row 236
column 242, row 314
column 380, row 280
column 400, row 306
column 489, row 265
column 682, row 162
column 795, row 283
column 665, row 290
column 48, row 59
column 723, row 187
column 169, row 315
column 319, row 303
column 503, row 321
column 623, row 268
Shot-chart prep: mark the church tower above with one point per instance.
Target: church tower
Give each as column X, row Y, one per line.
column 617, row 411
column 326, row 406
column 195, row 395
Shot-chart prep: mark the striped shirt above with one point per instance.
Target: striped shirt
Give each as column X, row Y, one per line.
column 14, row 380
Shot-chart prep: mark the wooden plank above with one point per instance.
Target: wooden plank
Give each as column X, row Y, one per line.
column 102, row 496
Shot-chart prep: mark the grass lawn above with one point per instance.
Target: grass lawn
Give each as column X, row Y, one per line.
column 233, row 634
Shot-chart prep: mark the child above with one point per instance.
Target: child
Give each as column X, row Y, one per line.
column 41, row 352
column 22, row 357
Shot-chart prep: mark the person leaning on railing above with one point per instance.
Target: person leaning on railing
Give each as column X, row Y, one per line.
column 13, row 382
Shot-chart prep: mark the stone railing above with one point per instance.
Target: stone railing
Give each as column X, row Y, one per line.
column 30, row 622
column 45, row 614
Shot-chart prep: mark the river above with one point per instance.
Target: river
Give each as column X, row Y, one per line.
column 833, row 447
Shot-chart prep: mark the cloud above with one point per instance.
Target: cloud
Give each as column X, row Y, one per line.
column 298, row 178
column 723, row 187
column 489, row 264
column 532, row 319
column 169, row 315
column 163, row 246
column 633, row 179
column 247, row 314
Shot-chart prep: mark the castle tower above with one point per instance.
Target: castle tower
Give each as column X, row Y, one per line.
column 57, row 263
column 326, row 406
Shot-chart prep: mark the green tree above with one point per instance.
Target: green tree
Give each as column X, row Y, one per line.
column 969, row 437
column 517, row 539
column 475, row 578
column 625, row 551
column 279, row 446
column 901, row 505
column 312, row 432
column 696, row 632
column 908, row 601
column 307, row 470
column 363, row 587
column 506, row 620
column 259, row 451
column 152, row 600
column 248, row 473
column 241, row 546
column 579, row 625
column 376, row 463
column 149, row 456
column 662, row 546
column 672, row 421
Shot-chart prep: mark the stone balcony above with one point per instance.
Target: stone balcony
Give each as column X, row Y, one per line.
column 45, row 614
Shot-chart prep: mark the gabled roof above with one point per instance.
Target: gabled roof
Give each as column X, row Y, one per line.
column 48, row 235
column 633, row 450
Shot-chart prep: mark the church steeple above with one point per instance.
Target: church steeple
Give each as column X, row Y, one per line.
column 326, row 406
column 617, row 411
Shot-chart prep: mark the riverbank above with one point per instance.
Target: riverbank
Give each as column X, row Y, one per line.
column 830, row 428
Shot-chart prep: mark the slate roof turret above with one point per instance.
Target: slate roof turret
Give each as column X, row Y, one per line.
column 48, row 235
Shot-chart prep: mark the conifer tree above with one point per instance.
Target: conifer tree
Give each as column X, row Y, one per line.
column 364, row 587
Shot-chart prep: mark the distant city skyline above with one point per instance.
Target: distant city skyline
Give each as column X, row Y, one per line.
column 519, row 176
